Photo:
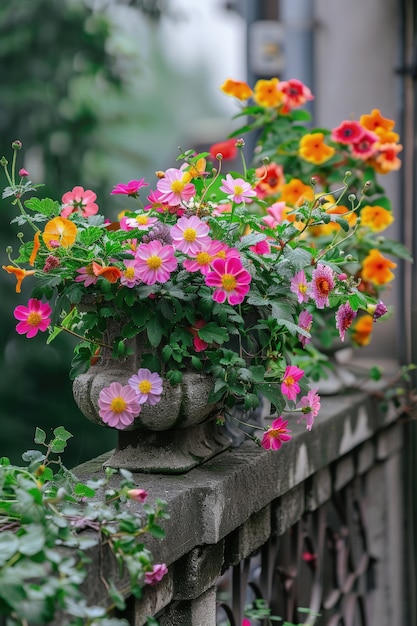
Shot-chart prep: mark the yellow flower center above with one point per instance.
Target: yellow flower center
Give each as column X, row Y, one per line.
column 190, row 234
column 203, row 258
column 145, row 386
column 118, row 404
column 238, row 189
column 142, row 219
column 228, row 282
column 154, row 262
column 302, row 287
column 289, row 381
column 129, row 272
column 177, row 186
column 34, row 319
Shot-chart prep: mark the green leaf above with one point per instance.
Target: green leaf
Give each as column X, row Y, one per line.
column 61, row 433
column 46, row 206
column 82, row 491
column 33, row 455
column 116, row 596
column 40, row 435
column 273, row 394
column 157, row 531
column 154, row 332
column 213, row 333
column 33, row 540
column 174, row 377
column 9, row 545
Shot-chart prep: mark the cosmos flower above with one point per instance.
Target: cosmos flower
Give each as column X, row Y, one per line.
column 129, row 189
column 155, row 262
column 310, row 405
column 189, row 234
column 276, row 434
column 118, row 405
column 147, row 385
column 289, row 384
column 237, row 189
column 230, row 279
column 33, row 317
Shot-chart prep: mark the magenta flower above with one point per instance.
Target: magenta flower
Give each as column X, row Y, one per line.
column 295, row 93
column 237, row 189
column 299, row 286
column 139, row 495
column 86, row 275
column 380, row 310
column 189, row 234
column 33, row 317
column 262, row 247
column 23, row 172
column 155, row 262
column 147, row 385
column 348, row 132
column 366, row 147
column 322, row 282
column 289, row 385
column 130, row 275
column 276, row 214
column 305, row 321
column 310, row 405
column 129, row 189
column 203, row 258
column 230, row 280
column 344, row 318
column 174, row 187
column 156, row 575
column 79, row 201
column 118, row 405
column 155, row 202
column 142, row 221
column 276, row 434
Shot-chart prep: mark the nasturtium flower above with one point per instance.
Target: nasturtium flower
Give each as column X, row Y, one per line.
column 386, row 159
column 147, row 385
column 86, row 275
column 276, row 435
column 118, row 405
column 376, row 217
column 109, row 272
column 35, row 249
column 159, row 570
column 314, row 150
column 236, row 88
column 270, row 179
column 79, row 201
column 267, row 94
column 237, row 189
column 310, row 405
column 348, row 132
column 198, row 344
column 362, row 330
column 295, row 94
column 33, row 317
column 344, row 318
column 295, row 192
column 322, row 283
column 375, row 120
column 377, row 269
column 289, row 384
column 155, row 262
column 189, row 234
column 299, row 286
column 59, row 231
column 227, row 149
column 19, row 273
column 366, row 146
column 129, row 189
column 230, row 279
column 174, row 187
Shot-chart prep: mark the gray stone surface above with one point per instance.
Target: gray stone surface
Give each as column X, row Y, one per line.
column 250, row 536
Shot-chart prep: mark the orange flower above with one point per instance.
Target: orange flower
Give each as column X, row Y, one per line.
column 296, row 192
column 109, row 272
column 194, row 170
column 376, row 217
column 377, row 269
column 386, row 160
column 36, row 246
column 270, row 179
column 59, row 231
column 19, row 273
column 237, row 88
column 267, row 93
column 375, row 120
column 386, row 136
column 362, row 330
column 314, row 150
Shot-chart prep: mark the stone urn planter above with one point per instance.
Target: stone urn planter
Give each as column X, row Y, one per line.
column 171, row 437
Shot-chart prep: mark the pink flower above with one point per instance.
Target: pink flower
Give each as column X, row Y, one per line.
column 86, row 275
column 129, row 189
column 141, row 222
column 310, row 405
column 289, row 385
column 79, row 200
column 380, row 310
column 262, row 247
column 199, row 344
column 305, row 321
column 174, row 187
column 348, row 132
column 205, row 255
column 237, row 189
column 295, row 93
column 322, row 282
column 344, row 318
column 230, row 279
column 155, row 262
column 118, row 405
column 23, row 172
column 147, row 385
column 276, row 434
column 276, row 214
column 156, row 575
column 189, row 234
column 34, row 317
column 299, row 286
column 139, row 495
column 246, row 622
column 366, row 146
column 156, row 203
column 130, row 275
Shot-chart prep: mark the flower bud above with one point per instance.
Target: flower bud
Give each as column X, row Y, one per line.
column 219, row 156
column 17, row 145
column 351, row 197
column 240, row 143
column 23, row 172
column 139, row 495
column 349, row 257
column 9, row 249
column 348, row 173
column 160, row 174
column 342, row 276
column 3, row 161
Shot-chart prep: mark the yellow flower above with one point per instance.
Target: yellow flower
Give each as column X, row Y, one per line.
column 237, row 88
column 314, row 150
column 267, row 93
column 295, row 192
column 376, row 217
column 59, row 231
column 377, row 269
column 362, row 330
column 19, row 273
column 375, row 120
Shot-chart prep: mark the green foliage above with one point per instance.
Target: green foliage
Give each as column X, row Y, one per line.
column 48, row 520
